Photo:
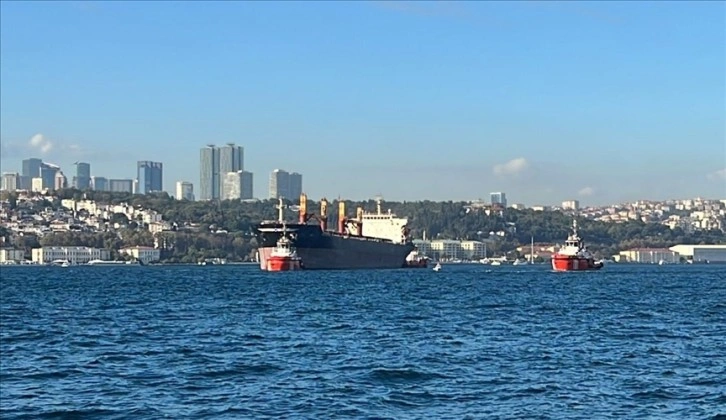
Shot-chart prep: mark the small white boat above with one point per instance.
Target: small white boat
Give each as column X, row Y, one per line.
column 437, row 267
column 496, row 262
column 112, row 262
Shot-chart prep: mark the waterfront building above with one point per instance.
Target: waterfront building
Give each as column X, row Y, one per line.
column 144, row 254
column 701, row 253
column 8, row 255
column 443, row 249
column 473, row 250
column 72, row 254
column 649, row 255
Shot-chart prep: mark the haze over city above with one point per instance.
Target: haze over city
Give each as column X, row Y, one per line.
column 600, row 102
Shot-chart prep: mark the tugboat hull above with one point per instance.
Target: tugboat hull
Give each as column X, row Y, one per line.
column 567, row 263
column 283, row 264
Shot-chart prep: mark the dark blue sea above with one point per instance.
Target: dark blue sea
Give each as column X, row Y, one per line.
column 471, row 341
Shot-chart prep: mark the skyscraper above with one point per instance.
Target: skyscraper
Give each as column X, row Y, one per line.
column 279, row 184
column 149, row 176
column 47, row 174
column 285, row 184
column 60, row 181
column 247, row 187
column 184, row 191
column 295, row 187
column 214, row 165
column 231, row 158
column 82, row 180
column 209, row 173
column 99, row 183
column 31, row 169
column 238, row 185
column 120, row 185
column 498, row 198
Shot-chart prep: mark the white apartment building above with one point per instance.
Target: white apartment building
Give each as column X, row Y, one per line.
column 36, row 185
column 447, row 248
column 237, row 185
column 145, row 254
column 184, row 190
column 10, row 181
column 72, row 254
column 473, row 250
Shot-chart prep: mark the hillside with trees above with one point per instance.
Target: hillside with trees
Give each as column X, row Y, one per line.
column 226, row 229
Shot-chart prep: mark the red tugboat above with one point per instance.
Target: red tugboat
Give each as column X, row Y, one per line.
column 416, row 260
column 284, row 256
column 574, row 256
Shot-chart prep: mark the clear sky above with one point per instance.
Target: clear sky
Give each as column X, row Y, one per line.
column 598, row 101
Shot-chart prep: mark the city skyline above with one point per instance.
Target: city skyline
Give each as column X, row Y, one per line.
column 596, row 102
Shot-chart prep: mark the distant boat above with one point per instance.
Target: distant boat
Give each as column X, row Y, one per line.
column 496, row 262
column 437, row 267
column 574, row 256
column 105, row 262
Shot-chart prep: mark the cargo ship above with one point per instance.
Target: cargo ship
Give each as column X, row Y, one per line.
column 370, row 240
column 574, row 256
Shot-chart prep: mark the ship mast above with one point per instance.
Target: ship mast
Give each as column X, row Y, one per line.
column 280, row 208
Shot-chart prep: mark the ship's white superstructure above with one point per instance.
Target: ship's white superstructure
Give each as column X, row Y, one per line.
column 574, row 247
column 384, row 225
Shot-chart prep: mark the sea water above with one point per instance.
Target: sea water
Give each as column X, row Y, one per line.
column 471, row 341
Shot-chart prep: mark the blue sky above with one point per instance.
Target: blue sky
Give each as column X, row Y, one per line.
column 597, row 101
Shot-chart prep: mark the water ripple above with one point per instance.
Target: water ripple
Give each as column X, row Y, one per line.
column 468, row 342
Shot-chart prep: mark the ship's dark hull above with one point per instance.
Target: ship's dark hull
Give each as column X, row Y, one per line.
column 328, row 250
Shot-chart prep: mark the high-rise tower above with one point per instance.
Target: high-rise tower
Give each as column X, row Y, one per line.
column 214, row 165
column 149, row 176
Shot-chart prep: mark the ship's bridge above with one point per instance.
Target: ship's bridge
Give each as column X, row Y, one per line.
column 385, row 226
